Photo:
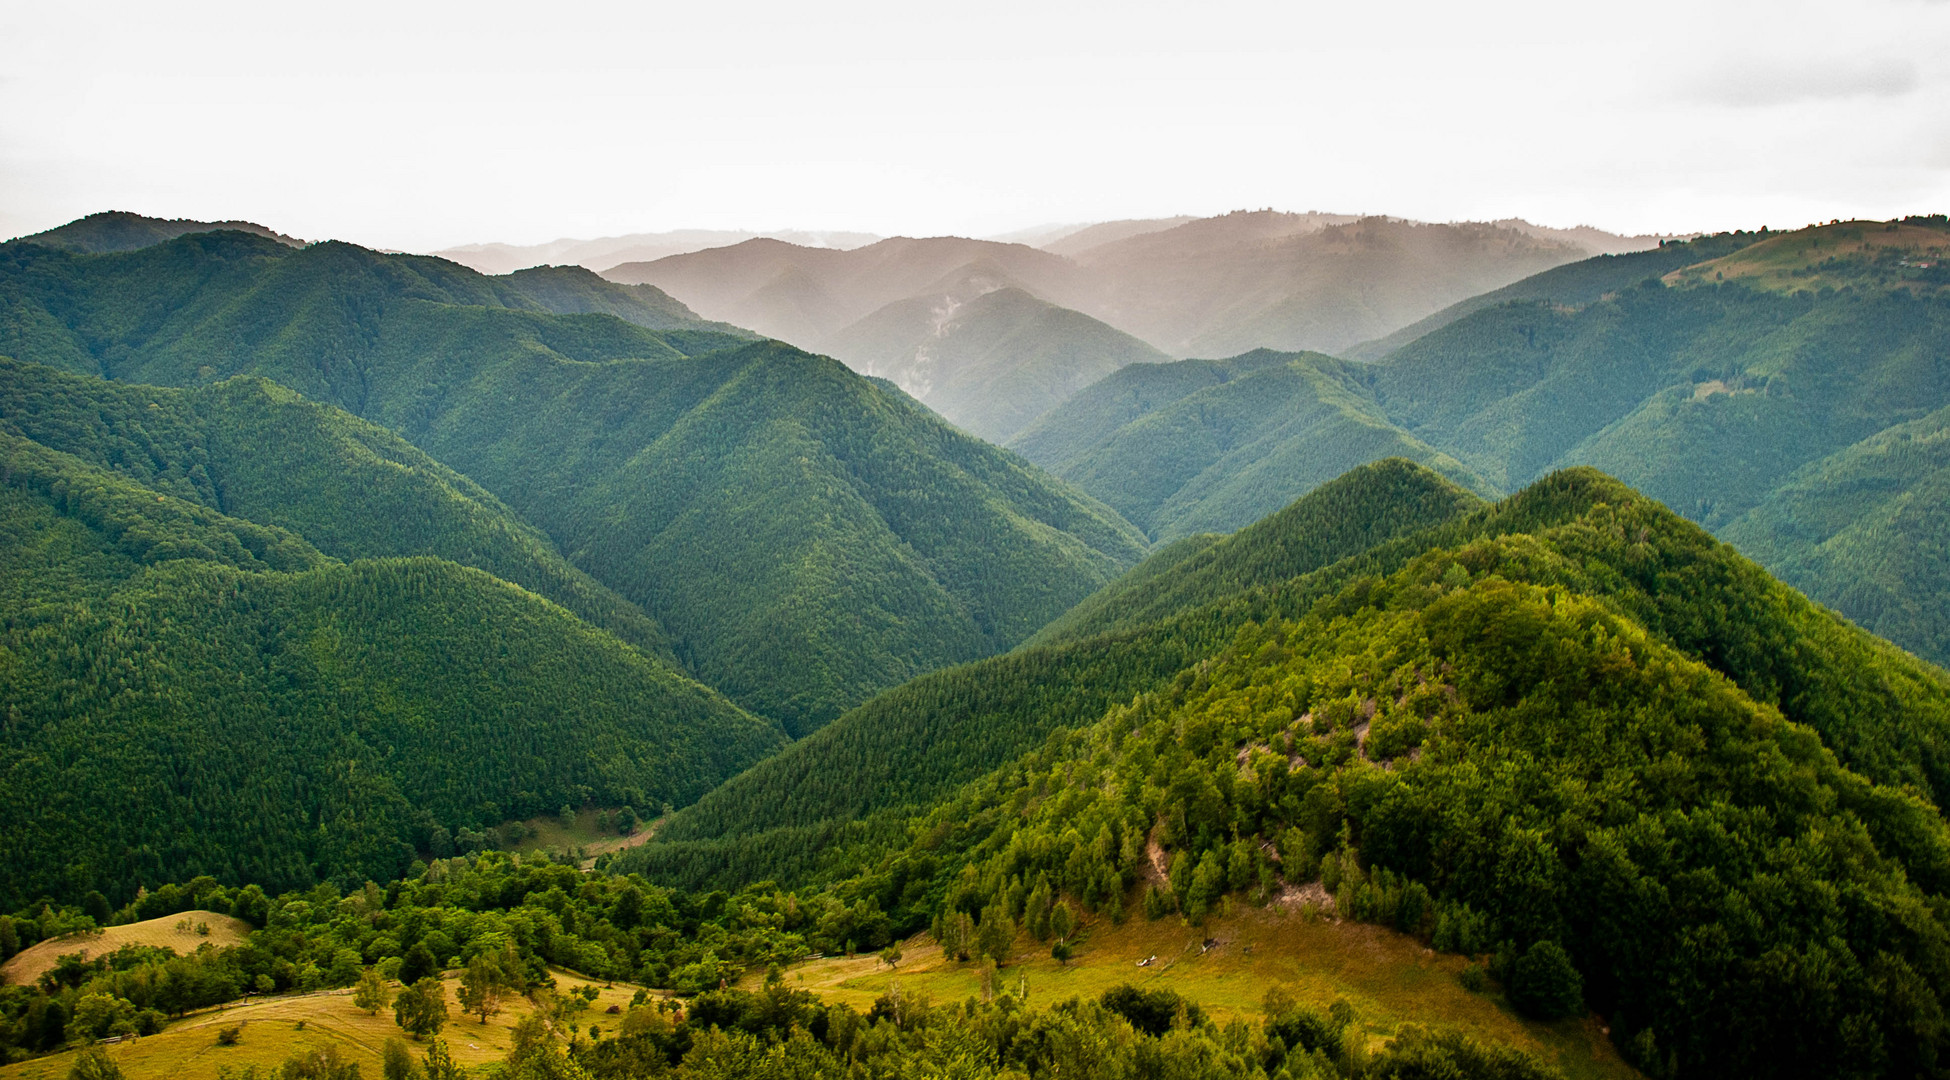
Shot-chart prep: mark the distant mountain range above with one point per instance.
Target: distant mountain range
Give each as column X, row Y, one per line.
column 608, row 251
column 1175, row 286
column 1788, row 391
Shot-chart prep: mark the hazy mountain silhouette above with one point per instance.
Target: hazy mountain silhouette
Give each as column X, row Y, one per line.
column 605, row 252
column 119, row 230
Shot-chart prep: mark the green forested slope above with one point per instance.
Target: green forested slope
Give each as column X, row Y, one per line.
column 254, row 451
column 1225, row 455
column 119, row 230
column 186, row 692
column 1706, row 397
column 1867, row 529
column 1572, row 717
column 577, row 290
column 1720, row 391
column 1062, row 437
column 991, row 362
column 1571, row 285
column 806, row 537
column 1881, row 711
column 1475, row 750
column 1346, row 516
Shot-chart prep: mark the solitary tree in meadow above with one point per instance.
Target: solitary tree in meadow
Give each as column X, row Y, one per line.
column 371, row 993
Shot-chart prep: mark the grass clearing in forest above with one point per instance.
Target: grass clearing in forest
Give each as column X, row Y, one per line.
column 1390, row 979
column 550, row 834
column 276, row 1028
column 178, row 932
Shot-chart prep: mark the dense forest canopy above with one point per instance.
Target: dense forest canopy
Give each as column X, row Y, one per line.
column 1774, row 387
column 325, row 574
column 803, row 536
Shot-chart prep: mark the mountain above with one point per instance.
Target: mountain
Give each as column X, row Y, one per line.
column 1705, row 373
column 1204, row 286
column 1865, row 530
column 118, row 230
column 804, row 295
column 187, row 692
column 575, row 290
column 798, row 812
column 1075, row 242
column 254, row 451
column 1225, row 285
column 1711, row 388
column 805, row 536
column 1571, row 285
column 1205, row 446
column 987, row 355
column 966, row 326
column 1114, row 293
column 1353, row 513
column 1593, row 240
column 601, row 254
column 1570, row 730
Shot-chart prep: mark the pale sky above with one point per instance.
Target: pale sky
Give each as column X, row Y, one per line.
column 422, row 125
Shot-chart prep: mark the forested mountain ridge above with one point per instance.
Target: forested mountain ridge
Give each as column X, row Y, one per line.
column 1353, row 513
column 119, row 230
column 861, row 776
column 1571, row 724
column 574, row 290
column 805, row 536
column 1571, row 285
column 793, row 497
column 252, row 450
column 190, row 693
column 986, row 354
column 1866, row 530
column 1716, row 389
column 1710, row 374
column 1211, row 446
column 1505, row 767
column 1881, row 711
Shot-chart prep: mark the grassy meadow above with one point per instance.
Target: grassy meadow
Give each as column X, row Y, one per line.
column 275, row 1028
column 1390, row 979
column 178, row 932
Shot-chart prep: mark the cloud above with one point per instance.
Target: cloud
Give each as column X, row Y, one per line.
column 1762, row 83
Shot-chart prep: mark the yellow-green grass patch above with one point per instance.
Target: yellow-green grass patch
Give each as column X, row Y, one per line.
column 1389, row 979
column 178, row 932
column 272, row 1031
